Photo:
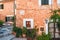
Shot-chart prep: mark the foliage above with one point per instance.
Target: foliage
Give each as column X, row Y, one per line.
column 31, row 33
column 13, row 18
column 1, row 22
column 54, row 16
column 18, row 32
column 15, row 28
column 44, row 37
column 24, row 30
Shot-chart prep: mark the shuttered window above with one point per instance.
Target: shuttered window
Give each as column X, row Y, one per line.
column 1, row 6
column 8, row 19
column 44, row 2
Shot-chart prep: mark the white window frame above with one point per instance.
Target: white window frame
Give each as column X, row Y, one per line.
column 24, row 22
column 39, row 2
column 9, row 15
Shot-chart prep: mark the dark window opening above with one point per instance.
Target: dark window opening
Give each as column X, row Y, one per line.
column 1, row 6
column 28, row 24
column 41, row 29
column 44, row 2
column 8, row 19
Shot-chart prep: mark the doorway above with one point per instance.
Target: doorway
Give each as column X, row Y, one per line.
column 53, row 31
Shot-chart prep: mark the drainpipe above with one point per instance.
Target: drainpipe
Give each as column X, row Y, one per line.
column 46, row 24
column 14, row 3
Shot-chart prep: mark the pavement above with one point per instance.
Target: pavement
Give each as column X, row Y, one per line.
column 10, row 36
column 7, row 37
column 19, row 39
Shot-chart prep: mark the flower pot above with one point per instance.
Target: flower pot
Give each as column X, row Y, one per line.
column 29, row 38
column 13, row 33
column 23, row 35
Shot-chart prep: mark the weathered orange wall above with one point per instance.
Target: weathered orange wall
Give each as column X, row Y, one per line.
column 34, row 11
column 8, row 10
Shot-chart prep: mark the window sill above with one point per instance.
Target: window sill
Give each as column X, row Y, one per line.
column 1, row 9
column 45, row 7
column 30, row 28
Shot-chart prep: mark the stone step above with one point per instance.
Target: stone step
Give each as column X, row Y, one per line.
column 7, row 37
column 19, row 39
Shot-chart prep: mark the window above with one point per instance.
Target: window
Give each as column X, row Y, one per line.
column 1, row 6
column 44, row 2
column 28, row 23
column 42, row 29
column 9, row 19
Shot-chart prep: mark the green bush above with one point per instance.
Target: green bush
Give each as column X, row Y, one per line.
column 15, row 29
column 13, row 19
column 19, row 32
column 44, row 37
column 1, row 22
column 31, row 33
column 24, row 30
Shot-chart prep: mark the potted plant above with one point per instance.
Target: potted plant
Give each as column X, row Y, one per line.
column 19, row 32
column 31, row 33
column 14, row 30
column 1, row 23
column 24, row 31
column 44, row 37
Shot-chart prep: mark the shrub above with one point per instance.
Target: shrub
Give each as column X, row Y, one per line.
column 31, row 33
column 15, row 29
column 44, row 37
column 1, row 22
column 24, row 30
column 18, row 32
column 13, row 19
